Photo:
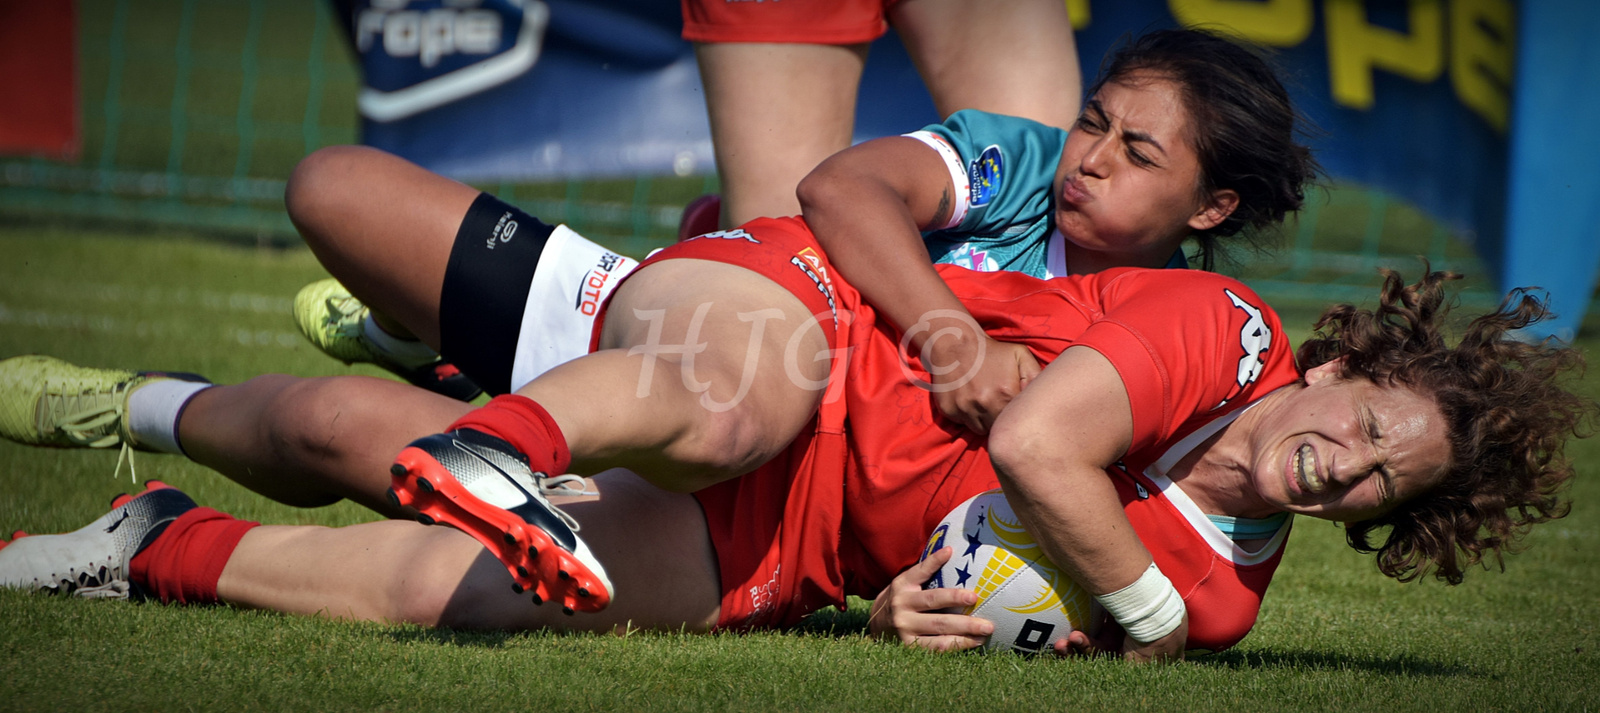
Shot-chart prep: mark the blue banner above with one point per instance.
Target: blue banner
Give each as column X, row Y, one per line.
column 1412, row 97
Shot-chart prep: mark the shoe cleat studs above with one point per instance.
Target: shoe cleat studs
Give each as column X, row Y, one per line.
column 440, row 497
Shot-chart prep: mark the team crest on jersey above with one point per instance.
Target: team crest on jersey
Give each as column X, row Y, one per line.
column 985, row 175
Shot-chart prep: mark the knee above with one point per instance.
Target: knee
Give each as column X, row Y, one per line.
column 730, row 443
column 446, row 586
column 322, row 183
column 314, row 422
column 424, row 596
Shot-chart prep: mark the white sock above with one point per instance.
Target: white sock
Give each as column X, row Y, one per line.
column 153, row 411
column 408, row 352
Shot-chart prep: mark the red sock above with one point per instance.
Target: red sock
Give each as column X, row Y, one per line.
column 524, row 424
column 184, row 563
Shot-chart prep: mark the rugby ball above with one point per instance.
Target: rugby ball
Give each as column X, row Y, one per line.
column 1031, row 603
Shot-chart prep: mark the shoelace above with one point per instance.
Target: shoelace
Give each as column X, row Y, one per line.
column 80, row 422
column 338, row 309
column 81, row 413
column 563, row 485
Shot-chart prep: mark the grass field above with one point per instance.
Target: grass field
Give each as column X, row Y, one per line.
column 1334, row 635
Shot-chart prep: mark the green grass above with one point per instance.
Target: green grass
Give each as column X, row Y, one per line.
column 1333, row 635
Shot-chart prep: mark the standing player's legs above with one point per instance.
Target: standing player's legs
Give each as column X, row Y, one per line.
column 776, row 109
column 957, row 47
column 384, row 227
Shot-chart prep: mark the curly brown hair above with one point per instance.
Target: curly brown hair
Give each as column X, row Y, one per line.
column 1507, row 408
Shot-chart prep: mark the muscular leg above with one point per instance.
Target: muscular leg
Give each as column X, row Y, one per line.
column 311, row 442
column 1037, row 75
column 655, row 543
column 777, row 110
column 685, row 421
column 382, row 225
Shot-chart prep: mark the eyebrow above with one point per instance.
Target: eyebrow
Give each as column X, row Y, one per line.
column 1385, row 475
column 1133, row 135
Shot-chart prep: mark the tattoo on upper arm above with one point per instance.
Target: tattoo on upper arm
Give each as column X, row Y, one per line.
column 942, row 216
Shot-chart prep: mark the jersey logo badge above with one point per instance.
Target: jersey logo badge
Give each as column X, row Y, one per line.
column 735, row 234
column 986, row 174
column 811, row 264
column 1255, row 337
column 973, row 258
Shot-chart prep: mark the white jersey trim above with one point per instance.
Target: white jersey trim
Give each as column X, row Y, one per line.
column 572, row 280
column 1220, row 543
column 1055, row 261
column 958, row 175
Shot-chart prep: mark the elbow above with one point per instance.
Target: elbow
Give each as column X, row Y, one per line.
column 1015, row 450
column 820, row 189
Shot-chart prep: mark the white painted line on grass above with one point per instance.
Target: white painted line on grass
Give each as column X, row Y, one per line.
column 146, row 329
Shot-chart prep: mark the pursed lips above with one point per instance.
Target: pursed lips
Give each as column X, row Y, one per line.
column 1074, row 192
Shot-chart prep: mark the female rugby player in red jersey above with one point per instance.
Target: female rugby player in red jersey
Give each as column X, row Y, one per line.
column 1171, row 395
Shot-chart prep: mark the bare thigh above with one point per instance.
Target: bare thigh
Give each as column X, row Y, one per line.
column 777, row 110
column 655, row 544
column 706, row 370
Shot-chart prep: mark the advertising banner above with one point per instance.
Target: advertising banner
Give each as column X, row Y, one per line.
column 1412, row 97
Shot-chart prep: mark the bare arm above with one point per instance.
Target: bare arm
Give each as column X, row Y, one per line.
column 867, row 206
column 1050, row 449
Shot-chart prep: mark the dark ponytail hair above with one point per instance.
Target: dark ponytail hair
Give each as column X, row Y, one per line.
column 1243, row 127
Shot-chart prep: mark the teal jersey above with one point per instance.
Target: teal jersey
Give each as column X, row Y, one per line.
column 1003, row 168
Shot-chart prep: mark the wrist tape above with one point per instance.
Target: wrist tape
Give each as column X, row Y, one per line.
column 1148, row 609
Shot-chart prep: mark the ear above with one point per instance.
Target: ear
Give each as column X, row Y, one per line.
column 1216, row 209
column 1328, row 370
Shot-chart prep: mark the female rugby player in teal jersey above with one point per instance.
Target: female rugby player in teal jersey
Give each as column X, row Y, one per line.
column 1186, row 135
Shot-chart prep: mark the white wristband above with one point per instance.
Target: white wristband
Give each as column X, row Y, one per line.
column 1148, row 609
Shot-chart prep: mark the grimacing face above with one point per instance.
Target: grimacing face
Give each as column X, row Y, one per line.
column 1127, row 186
column 1347, row 449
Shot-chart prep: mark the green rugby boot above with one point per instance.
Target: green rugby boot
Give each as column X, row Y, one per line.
column 45, row 401
column 331, row 318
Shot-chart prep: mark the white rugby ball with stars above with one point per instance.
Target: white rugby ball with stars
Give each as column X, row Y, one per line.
column 1031, row 603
